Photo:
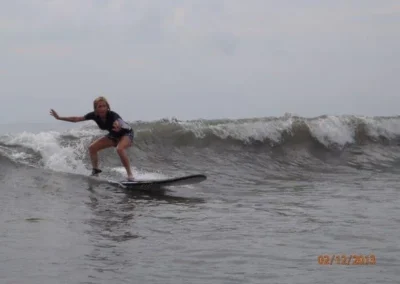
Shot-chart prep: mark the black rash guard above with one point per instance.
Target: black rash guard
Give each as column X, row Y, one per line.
column 108, row 123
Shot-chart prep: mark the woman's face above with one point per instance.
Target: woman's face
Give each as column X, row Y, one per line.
column 101, row 108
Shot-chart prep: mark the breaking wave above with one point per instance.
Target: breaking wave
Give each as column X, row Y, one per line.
column 369, row 140
column 328, row 131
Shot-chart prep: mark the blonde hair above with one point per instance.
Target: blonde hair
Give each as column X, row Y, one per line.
column 100, row 99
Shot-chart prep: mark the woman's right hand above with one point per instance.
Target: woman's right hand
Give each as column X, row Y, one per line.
column 54, row 113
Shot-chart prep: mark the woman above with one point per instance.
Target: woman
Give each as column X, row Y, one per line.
column 120, row 134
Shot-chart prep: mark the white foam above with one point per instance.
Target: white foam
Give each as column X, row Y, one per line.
column 54, row 156
column 332, row 129
column 387, row 127
column 245, row 131
column 139, row 174
column 20, row 156
column 14, row 155
column 58, row 157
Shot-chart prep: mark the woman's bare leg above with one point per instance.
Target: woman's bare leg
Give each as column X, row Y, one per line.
column 96, row 146
column 124, row 143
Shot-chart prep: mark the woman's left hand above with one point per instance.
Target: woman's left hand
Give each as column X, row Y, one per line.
column 116, row 126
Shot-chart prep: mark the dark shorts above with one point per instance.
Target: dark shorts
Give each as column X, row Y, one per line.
column 130, row 134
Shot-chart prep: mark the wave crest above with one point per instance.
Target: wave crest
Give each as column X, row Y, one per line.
column 287, row 140
column 328, row 131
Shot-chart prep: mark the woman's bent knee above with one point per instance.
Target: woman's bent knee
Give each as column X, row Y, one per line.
column 92, row 148
column 120, row 150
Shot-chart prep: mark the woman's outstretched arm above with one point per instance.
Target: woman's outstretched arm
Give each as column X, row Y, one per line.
column 70, row 118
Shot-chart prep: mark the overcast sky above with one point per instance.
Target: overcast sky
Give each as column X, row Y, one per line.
column 199, row 59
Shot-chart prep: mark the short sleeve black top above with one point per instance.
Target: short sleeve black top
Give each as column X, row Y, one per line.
column 107, row 124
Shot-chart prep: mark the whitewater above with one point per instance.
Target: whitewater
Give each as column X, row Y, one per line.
column 282, row 194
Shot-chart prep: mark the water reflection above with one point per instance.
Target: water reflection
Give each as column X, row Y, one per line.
column 112, row 223
column 155, row 193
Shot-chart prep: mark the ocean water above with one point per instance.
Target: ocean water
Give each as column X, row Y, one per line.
column 286, row 200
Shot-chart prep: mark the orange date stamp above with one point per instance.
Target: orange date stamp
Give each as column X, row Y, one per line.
column 347, row 259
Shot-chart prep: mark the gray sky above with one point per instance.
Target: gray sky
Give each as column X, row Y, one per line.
column 199, row 59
